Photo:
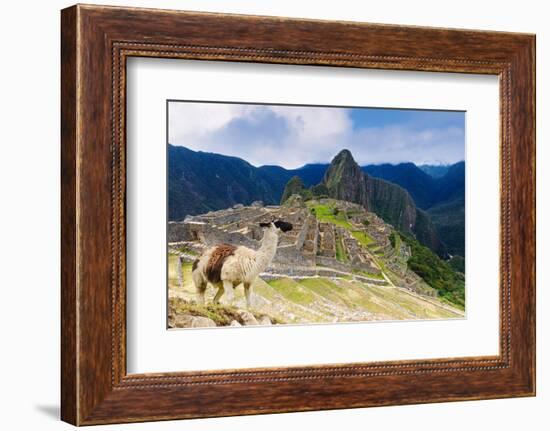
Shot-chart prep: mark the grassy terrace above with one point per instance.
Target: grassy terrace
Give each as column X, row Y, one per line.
column 354, row 296
column 310, row 300
column 368, row 274
column 340, row 251
column 327, row 214
column 364, row 238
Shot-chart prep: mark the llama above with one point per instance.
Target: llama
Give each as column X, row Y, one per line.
column 226, row 266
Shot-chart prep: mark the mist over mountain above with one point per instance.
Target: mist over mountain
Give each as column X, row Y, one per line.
column 434, row 171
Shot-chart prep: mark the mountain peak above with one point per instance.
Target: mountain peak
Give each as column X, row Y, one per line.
column 345, row 180
column 342, row 165
column 343, row 156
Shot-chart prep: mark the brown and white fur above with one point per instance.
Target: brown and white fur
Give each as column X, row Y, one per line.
column 226, row 266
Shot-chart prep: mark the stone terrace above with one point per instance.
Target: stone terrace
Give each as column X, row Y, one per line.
column 311, row 248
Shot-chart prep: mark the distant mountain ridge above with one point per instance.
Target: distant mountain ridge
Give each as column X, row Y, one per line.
column 434, row 171
column 426, row 190
column 192, row 189
column 419, row 184
column 443, row 198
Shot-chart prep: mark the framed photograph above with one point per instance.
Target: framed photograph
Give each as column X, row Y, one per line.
column 264, row 215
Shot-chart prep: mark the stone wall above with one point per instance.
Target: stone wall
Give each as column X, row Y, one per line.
column 186, row 231
column 288, row 255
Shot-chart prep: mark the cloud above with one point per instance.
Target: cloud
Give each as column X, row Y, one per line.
column 291, row 136
column 406, row 143
column 195, row 120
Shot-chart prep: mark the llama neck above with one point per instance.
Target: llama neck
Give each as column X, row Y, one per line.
column 267, row 250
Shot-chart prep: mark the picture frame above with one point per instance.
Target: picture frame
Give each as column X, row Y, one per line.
column 96, row 42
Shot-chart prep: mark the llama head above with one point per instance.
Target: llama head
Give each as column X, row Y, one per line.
column 282, row 225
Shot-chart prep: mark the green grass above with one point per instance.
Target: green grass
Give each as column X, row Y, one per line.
column 328, row 289
column 395, row 240
column 368, row 274
column 187, row 251
column 364, row 238
column 325, row 213
column 340, row 251
column 292, row 291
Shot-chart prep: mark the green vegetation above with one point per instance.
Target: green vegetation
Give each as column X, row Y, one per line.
column 325, row 213
column 366, row 222
column 435, row 272
column 340, row 251
column 331, row 290
column 187, row 251
column 458, row 263
column 356, row 296
column 393, row 239
column 353, row 212
column 449, row 219
column 331, row 214
column 363, row 237
column 292, row 291
column 319, row 191
column 378, row 276
column 294, row 186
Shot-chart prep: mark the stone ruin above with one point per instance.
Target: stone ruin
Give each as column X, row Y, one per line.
column 309, row 249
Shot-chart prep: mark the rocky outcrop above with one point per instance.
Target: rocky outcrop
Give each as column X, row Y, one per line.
column 345, row 180
column 188, row 321
column 247, row 318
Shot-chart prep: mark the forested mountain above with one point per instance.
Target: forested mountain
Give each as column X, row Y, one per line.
column 199, row 182
column 442, row 197
column 420, row 185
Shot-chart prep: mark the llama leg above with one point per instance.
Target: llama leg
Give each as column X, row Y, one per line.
column 228, row 288
column 247, row 294
column 219, row 293
column 200, row 285
column 200, row 293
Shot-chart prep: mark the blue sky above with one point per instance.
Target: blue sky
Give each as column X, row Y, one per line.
column 293, row 135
